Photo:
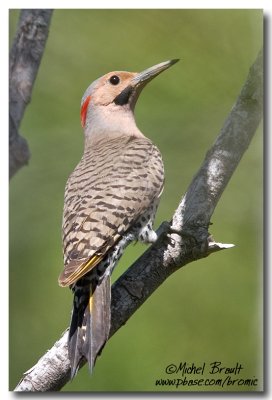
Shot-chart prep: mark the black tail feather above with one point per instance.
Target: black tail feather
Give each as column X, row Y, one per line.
column 90, row 324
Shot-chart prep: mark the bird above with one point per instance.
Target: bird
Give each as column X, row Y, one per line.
column 110, row 201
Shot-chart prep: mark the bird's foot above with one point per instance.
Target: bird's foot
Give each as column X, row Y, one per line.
column 166, row 229
column 190, row 240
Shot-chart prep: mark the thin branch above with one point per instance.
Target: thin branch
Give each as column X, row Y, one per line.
column 25, row 57
column 171, row 252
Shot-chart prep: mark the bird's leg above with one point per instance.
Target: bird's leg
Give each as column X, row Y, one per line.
column 199, row 246
column 166, row 229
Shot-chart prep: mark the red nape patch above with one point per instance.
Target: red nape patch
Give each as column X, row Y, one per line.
column 83, row 111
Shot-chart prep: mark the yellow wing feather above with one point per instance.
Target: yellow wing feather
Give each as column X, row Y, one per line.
column 67, row 279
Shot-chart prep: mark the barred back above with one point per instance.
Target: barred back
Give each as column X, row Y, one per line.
column 116, row 181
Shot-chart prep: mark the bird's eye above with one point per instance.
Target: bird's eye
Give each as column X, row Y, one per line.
column 114, row 80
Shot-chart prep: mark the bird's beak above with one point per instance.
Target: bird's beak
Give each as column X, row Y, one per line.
column 131, row 93
column 142, row 78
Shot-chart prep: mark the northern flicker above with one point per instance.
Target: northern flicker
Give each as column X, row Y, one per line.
column 110, row 201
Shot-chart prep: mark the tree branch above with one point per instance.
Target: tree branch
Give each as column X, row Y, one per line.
column 25, row 57
column 171, row 252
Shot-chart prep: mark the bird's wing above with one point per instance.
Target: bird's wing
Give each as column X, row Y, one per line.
column 108, row 191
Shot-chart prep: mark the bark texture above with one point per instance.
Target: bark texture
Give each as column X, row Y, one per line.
column 25, row 57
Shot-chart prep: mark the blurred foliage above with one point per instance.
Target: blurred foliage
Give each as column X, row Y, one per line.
column 210, row 310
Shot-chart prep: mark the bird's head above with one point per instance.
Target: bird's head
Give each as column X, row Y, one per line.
column 111, row 99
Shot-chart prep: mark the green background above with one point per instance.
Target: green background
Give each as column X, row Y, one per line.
column 210, row 310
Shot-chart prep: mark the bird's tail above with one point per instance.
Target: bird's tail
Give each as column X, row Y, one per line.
column 90, row 324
